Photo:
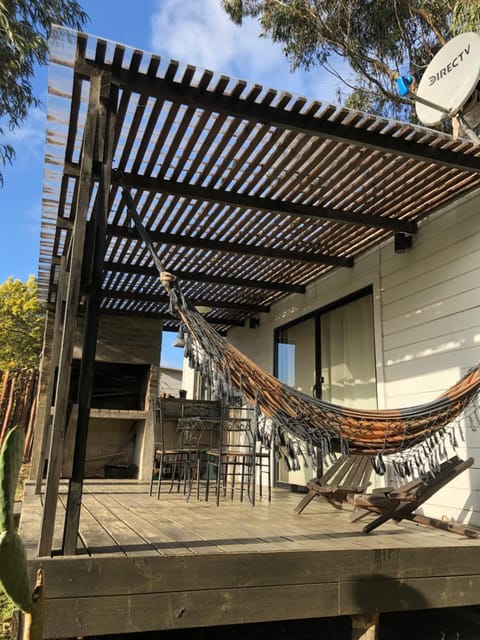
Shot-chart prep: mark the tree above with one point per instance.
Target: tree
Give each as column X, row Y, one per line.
column 24, row 30
column 21, row 324
column 380, row 39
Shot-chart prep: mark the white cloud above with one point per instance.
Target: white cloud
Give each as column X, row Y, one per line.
column 29, row 138
column 199, row 32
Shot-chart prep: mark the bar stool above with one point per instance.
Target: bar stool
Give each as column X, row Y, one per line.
column 263, row 461
column 232, row 461
column 169, row 462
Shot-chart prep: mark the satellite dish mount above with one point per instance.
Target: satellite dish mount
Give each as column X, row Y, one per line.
column 448, row 85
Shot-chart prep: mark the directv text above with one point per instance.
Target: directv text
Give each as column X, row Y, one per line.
column 444, row 71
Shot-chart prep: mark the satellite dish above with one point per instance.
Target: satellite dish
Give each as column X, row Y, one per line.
column 449, row 80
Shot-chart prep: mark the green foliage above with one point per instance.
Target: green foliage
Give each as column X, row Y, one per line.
column 466, row 16
column 21, row 324
column 13, row 563
column 24, row 30
column 14, row 581
column 379, row 39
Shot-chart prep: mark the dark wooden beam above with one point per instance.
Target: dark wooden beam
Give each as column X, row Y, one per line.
column 231, row 247
column 195, row 276
column 231, row 199
column 204, row 302
column 103, row 155
column 201, row 98
column 167, row 318
column 156, row 236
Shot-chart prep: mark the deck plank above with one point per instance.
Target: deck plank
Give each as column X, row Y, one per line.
column 148, row 525
column 94, row 531
column 115, row 523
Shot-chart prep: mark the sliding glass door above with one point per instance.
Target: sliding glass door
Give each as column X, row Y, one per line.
column 330, row 355
column 347, row 353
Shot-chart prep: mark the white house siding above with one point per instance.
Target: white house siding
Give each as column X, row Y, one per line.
column 431, row 331
column 188, row 379
column 427, row 326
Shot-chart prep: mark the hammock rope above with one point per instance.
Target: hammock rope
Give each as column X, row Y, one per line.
column 298, row 425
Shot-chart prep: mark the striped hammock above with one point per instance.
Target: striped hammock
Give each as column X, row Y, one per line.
column 419, row 435
column 301, row 426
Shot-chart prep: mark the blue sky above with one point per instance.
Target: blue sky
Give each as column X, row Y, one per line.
column 197, row 32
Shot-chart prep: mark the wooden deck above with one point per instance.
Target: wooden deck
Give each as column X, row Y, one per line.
column 145, row 564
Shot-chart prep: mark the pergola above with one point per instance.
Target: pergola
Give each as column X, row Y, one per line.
column 248, row 194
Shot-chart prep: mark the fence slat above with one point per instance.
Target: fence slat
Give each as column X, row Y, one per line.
column 18, row 394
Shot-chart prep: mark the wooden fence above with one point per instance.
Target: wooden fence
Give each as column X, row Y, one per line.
column 18, row 403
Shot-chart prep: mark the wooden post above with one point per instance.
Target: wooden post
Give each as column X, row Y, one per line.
column 27, row 454
column 104, row 156
column 34, row 620
column 69, row 323
column 26, row 394
column 365, row 626
column 44, row 421
column 38, row 447
column 9, row 392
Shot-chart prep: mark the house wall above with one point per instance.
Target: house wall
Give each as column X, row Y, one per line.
column 431, row 332
column 170, row 382
column 427, row 329
column 125, row 339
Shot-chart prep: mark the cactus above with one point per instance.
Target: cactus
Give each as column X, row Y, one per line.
column 13, row 562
